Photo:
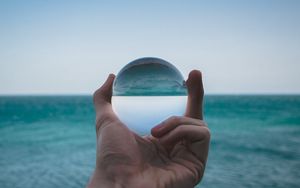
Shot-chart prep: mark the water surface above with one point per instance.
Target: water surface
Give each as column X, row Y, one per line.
column 49, row 141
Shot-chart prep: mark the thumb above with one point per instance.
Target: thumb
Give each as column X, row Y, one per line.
column 194, row 108
column 104, row 93
column 102, row 102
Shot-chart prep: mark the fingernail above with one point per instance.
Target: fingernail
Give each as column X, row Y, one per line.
column 111, row 75
column 159, row 126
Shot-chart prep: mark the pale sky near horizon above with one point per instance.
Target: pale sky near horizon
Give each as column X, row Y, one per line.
column 69, row 47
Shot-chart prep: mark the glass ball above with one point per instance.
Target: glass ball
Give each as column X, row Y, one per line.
column 147, row 91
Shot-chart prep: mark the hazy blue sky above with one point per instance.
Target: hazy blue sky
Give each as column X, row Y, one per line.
column 69, row 47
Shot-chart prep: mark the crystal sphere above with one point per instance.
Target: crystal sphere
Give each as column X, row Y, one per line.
column 147, row 91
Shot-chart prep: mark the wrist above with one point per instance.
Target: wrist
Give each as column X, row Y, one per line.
column 101, row 179
column 105, row 180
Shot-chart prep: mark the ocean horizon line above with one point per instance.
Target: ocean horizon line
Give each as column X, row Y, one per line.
column 90, row 94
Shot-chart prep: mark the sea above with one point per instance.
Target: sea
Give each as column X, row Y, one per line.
column 49, row 141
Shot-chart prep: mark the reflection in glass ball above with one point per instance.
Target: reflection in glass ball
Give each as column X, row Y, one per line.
column 147, row 91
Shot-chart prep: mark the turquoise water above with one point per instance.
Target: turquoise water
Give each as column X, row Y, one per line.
column 50, row 141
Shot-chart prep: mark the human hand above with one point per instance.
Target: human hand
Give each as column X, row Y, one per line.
column 173, row 156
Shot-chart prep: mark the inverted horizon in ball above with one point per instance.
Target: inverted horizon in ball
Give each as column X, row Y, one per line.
column 147, row 91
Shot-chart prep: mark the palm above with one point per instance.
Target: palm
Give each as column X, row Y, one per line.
column 147, row 157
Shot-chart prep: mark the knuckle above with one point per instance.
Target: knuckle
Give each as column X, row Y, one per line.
column 104, row 119
column 180, row 128
column 206, row 133
column 174, row 119
column 204, row 123
column 199, row 172
column 201, row 123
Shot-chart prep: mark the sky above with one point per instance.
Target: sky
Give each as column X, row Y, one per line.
column 69, row 47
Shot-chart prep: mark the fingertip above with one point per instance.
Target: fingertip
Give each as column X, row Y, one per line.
column 195, row 72
column 194, row 79
column 104, row 93
column 110, row 79
column 108, row 82
column 111, row 75
column 155, row 131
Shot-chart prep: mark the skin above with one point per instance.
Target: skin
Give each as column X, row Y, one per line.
column 174, row 155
